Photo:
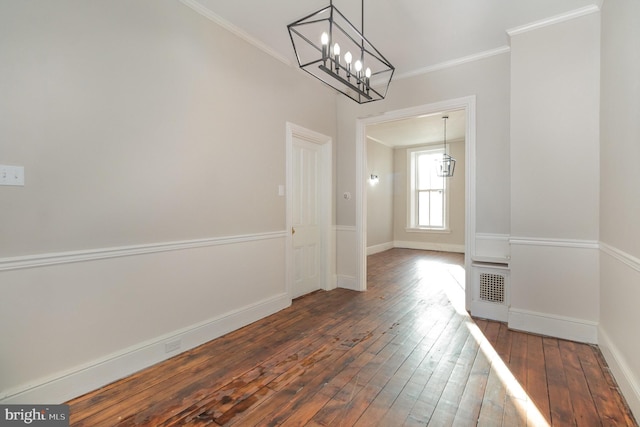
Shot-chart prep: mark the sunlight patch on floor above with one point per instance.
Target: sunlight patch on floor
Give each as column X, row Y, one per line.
column 527, row 409
column 451, row 279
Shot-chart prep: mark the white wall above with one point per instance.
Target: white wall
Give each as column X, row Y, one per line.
column 153, row 151
column 554, row 178
column 380, row 197
column 619, row 194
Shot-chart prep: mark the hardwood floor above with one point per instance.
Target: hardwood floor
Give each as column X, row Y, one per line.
column 404, row 353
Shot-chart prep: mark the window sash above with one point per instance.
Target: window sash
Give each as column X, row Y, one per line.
column 428, row 192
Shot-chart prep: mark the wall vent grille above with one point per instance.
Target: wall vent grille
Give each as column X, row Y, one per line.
column 492, row 287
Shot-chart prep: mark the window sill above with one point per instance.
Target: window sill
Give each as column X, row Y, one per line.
column 428, row 230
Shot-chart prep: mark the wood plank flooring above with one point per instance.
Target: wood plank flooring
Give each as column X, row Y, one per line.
column 404, row 353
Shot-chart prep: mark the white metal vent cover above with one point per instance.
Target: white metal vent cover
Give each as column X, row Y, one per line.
column 492, row 287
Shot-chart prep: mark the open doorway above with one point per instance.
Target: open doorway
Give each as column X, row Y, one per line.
column 466, row 108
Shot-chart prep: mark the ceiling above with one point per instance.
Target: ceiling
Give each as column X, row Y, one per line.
column 421, row 130
column 416, row 36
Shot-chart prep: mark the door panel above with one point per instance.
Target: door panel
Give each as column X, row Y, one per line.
column 306, row 229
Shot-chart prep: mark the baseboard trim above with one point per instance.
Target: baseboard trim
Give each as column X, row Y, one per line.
column 628, row 383
column 98, row 373
column 555, row 326
column 379, row 248
column 429, row 246
column 348, row 282
column 487, row 310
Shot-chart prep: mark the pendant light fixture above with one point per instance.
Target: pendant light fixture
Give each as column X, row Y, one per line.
column 447, row 164
column 330, row 48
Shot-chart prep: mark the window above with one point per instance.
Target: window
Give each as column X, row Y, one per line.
column 427, row 191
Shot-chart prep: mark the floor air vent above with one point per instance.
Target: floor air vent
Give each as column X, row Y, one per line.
column 490, row 281
column 492, row 287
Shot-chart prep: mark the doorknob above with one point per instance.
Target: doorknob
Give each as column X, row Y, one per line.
column 293, row 231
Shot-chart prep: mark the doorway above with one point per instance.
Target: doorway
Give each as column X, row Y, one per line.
column 309, row 207
column 362, row 180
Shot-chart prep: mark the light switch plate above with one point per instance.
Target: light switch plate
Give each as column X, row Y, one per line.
column 11, row 175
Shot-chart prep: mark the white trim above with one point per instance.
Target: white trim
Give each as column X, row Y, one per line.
column 562, row 243
column 454, row 62
column 488, row 310
column 347, row 282
column 552, row 20
column 492, row 247
column 621, row 256
column 627, row 381
column 97, row 373
column 429, row 246
column 379, row 248
column 40, row 260
column 553, row 325
column 428, row 230
column 351, row 228
column 209, row 14
column 467, row 103
column 493, row 236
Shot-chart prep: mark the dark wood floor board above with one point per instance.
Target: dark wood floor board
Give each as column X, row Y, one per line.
column 561, row 406
column 474, row 391
column 441, row 364
column 397, row 354
column 518, row 358
column 191, row 365
column 449, row 402
column 537, row 388
column 416, row 375
column 393, row 378
column 348, row 343
column 503, row 343
column 211, row 383
column 407, row 318
column 437, row 353
column 491, row 332
column 584, row 409
column 493, row 400
column 612, row 408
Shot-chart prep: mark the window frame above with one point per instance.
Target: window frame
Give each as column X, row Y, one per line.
column 413, row 191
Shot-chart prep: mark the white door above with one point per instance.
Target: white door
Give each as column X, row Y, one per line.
column 306, row 217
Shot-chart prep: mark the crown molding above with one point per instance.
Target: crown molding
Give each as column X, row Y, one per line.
column 552, row 20
column 454, row 62
column 207, row 13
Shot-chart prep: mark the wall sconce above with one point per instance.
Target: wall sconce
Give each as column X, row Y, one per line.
column 373, row 180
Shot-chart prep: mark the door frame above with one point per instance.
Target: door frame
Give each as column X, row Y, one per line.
column 469, row 105
column 325, row 203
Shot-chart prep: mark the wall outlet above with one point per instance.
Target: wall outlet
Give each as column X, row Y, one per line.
column 171, row 346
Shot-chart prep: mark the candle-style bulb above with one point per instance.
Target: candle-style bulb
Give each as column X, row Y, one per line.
column 336, row 56
column 324, row 39
column 358, row 66
column 348, row 58
column 367, row 80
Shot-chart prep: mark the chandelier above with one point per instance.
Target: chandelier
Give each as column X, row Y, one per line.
column 331, row 49
column 447, row 164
